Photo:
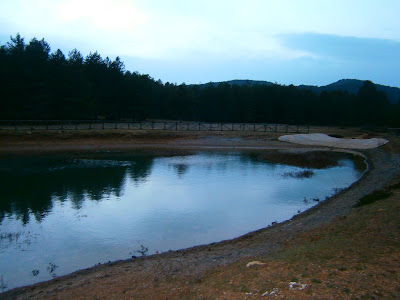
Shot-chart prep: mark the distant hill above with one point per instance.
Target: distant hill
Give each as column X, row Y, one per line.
column 249, row 82
column 241, row 82
column 350, row 85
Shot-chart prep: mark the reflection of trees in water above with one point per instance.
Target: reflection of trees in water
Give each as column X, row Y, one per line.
column 141, row 169
column 181, row 169
column 29, row 192
column 96, row 183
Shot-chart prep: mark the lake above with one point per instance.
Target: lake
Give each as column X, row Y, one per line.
column 63, row 212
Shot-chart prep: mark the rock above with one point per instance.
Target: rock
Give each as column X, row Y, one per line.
column 297, row 286
column 254, row 263
column 272, row 293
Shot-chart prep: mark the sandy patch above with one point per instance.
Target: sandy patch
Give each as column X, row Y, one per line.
column 320, row 139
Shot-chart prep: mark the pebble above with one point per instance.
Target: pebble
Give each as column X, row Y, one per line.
column 297, row 286
column 254, row 263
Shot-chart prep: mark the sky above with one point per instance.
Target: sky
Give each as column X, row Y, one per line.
column 314, row 42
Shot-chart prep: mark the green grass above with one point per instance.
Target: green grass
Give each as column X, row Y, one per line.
column 395, row 186
column 373, row 197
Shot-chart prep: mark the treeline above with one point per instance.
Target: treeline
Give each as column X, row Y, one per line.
column 38, row 84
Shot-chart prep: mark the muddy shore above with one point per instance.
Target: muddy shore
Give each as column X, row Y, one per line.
column 113, row 279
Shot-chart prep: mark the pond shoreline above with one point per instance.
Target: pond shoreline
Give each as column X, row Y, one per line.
column 197, row 260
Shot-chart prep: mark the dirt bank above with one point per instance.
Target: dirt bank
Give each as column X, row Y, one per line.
column 163, row 276
column 42, row 141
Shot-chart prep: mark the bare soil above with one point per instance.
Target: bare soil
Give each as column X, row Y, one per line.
column 332, row 251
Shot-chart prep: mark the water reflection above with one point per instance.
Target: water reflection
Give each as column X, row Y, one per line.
column 31, row 185
column 181, row 169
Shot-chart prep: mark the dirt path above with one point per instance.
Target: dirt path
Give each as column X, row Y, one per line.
column 118, row 279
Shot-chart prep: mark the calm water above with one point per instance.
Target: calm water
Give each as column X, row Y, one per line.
column 62, row 213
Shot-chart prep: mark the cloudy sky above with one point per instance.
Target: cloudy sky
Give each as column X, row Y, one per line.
column 285, row 41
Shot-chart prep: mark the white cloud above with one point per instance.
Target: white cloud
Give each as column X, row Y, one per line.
column 103, row 14
column 171, row 30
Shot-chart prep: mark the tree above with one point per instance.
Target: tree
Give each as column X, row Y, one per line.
column 38, row 50
column 57, row 58
column 94, row 60
column 16, row 46
column 371, row 105
column 35, row 84
column 117, row 66
column 75, row 57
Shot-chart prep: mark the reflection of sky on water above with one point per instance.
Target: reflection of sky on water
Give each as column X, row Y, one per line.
column 78, row 212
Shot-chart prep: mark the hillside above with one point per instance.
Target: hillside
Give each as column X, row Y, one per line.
column 352, row 86
column 241, row 82
column 349, row 85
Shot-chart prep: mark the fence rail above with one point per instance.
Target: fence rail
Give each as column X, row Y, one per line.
column 394, row 131
column 32, row 125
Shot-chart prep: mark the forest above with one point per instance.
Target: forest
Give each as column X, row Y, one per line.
column 37, row 84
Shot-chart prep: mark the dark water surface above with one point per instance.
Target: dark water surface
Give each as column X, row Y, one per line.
column 61, row 213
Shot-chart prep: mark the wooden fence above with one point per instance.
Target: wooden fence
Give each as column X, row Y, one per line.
column 394, row 131
column 31, row 125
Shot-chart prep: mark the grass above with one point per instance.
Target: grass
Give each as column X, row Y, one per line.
column 339, row 136
column 314, row 159
column 395, row 186
column 3, row 284
column 143, row 250
column 310, row 159
column 10, row 236
column 299, row 174
column 373, row 197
